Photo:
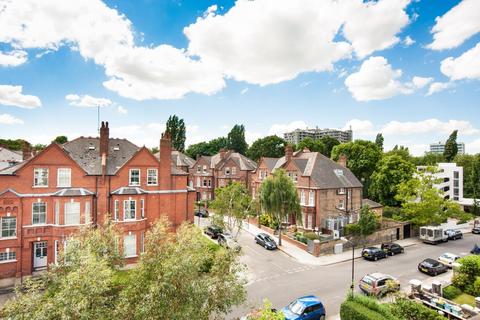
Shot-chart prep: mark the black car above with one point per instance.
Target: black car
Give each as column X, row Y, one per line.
column 202, row 213
column 432, row 267
column 392, row 248
column 453, row 234
column 373, row 253
column 213, row 231
column 265, row 241
column 476, row 230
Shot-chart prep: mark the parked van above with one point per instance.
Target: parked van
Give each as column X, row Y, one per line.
column 433, row 235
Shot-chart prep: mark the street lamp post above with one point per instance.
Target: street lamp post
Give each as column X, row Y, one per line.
column 352, row 285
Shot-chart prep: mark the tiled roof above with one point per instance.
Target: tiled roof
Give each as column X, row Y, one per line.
column 372, row 204
column 240, row 160
column 9, row 157
column 270, row 163
column 179, row 159
column 85, row 151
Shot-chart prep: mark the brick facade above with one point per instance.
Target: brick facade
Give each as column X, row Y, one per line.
column 48, row 213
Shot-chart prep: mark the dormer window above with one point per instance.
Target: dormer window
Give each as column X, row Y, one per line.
column 341, row 191
column 40, row 177
column 338, row 172
column 204, row 169
column 199, row 169
column 134, row 179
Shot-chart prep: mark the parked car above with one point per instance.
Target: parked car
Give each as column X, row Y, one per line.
column 476, row 230
column 448, row 259
column 265, row 241
column 213, row 231
column 432, row 267
column 378, row 284
column 475, row 250
column 226, row 240
column 305, row 308
column 453, row 234
column 202, row 213
column 433, row 234
column 392, row 248
column 373, row 253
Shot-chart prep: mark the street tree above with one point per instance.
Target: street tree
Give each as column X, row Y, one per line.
column 231, row 205
column 379, row 141
column 279, row 199
column 362, row 158
column 329, row 143
column 177, row 130
column 181, row 276
column 429, row 159
column 389, row 173
column 236, row 139
column 270, row 146
column 451, row 148
column 471, row 174
column 424, row 204
column 61, row 139
column 207, row 148
column 312, row 145
column 367, row 224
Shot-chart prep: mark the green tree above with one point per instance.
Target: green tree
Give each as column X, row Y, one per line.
column 236, row 139
column 181, row 276
column 367, row 224
column 279, row 198
column 424, row 204
column 429, row 159
column 312, row 145
column 61, row 139
column 362, row 158
column 390, row 172
column 154, row 150
column 471, row 174
column 329, row 143
column 379, row 141
column 270, row 146
column 17, row 144
column 207, row 148
column 402, row 152
column 231, row 205
column 177, row 130
column 451, row 148
column 266, row 313
column 39, row 146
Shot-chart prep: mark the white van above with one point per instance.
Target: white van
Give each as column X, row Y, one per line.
column 433, row 235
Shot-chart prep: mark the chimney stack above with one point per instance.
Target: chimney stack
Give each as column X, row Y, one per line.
column 288, row 153
column 165, row 161
column 222, row 153
column 342, row 160
column 104, row 138
column 26, row 151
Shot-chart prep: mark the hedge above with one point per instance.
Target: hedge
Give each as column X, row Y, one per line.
column 451, row 292
column 351, row 310
column 411, row 310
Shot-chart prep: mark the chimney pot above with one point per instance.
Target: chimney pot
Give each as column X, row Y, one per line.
column 342, row 160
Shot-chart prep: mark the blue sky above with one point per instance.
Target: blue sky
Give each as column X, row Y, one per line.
column 409, row 69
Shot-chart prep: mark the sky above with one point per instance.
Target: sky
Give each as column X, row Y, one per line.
column 409, row 69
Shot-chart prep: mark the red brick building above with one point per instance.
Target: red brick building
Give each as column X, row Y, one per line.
column 210, row 172
column 330, row 195
column 48, row 197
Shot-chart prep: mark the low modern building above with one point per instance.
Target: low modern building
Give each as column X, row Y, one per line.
column 210, row 172
column 330, row 194
column 298, row 135
column 47, row 198
column 9, row 157
column 439, row 147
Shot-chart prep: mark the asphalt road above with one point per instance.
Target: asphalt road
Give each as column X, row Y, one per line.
column 275, row 276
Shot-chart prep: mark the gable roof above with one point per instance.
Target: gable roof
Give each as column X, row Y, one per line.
column 179, row 159
column 85, row 151
column 244, row 163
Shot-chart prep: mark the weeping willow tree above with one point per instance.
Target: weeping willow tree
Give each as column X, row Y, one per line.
column 279, row 198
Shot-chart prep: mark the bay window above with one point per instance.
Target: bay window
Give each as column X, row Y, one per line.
column 129, row 208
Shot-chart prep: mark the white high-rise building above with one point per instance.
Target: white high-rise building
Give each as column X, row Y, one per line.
column 439, row 147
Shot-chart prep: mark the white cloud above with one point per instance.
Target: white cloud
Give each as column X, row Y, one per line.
column 466, row 66
column 87, row 101
column 428, row 126
column 408, row 41
column 280, row 129
column 12, row 96
column 457, row 25
column 438, row 86
column 122, row 110
column 12, row 58
column 372, row 26
column 250, row 137
column 376, row 80
column 362, row 127
column 244, row 90
column 9, row 119
column 473, row 147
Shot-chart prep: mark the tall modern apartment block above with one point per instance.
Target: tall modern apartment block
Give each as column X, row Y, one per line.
column 450, row 180
column 298, row 135
column 439, row 147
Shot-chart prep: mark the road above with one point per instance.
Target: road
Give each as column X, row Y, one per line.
column 279, row 278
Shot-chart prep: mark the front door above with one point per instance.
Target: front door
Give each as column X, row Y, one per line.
column 39, row 255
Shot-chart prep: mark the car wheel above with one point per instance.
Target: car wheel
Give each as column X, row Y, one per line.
column 392, row 253
column 435, row 273
column 375, row 258
column 265, row 246
column 322, row 317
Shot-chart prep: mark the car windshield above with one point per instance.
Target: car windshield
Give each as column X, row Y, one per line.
column 430, row 263
column 267, row 238
column 368, row 280
column 296, row 307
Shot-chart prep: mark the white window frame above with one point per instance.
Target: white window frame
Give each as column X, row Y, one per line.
column 302, row 197
column 142, row 242
column 67, row 214
column 341, row 204
column 57, row 212
column 204, row 169
column 133, row 251
column 55, row 252
column 199, row 182
column 260, row 177
column 88, row 213
column 142, row 208
column 127, row 208
column 37, row 177
column 67, row 176
column 116, row 210
column 341, row 191
column 44, row 214
column 152, row 180
column 134, row 184
column 311, row 198
column 8, row 256
column 199, row 169
column 2, row 229
column 234, row 171
column 209, row 182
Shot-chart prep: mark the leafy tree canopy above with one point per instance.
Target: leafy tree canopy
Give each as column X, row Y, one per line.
column 236, row 139
column 312, row 145
column 379, row 140
column 471, row 174
column 177, row 130
column 207, row 148
column 270, row 146
column 61, row 139
column 451, row 148
column 17, row 144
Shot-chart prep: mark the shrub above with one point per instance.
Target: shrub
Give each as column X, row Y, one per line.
column 473, row 289
column 410, row 310
column 390, row 212
column 451, row 292
column 300, row 237
column 470, row 266
column 266, row 220
column 351, row 310
column 311, row 236
column 461, row 281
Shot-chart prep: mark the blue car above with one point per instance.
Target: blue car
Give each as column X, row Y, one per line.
column 305, row 308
